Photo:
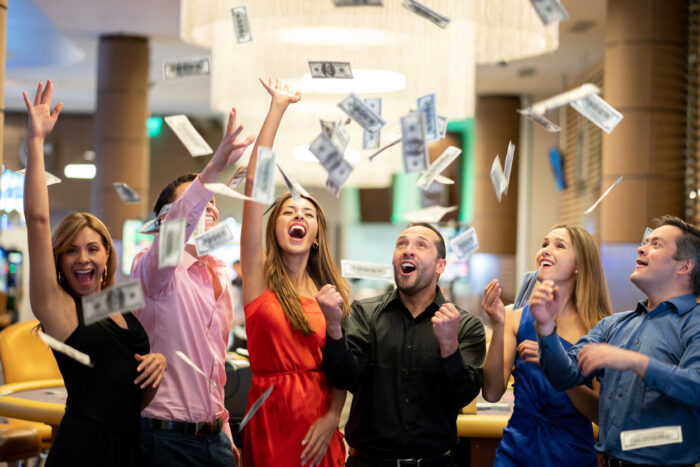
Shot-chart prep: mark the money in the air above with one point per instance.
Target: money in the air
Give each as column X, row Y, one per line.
column 186, row 68
column 540, row 120
column 427, row 13
column 372, row 140
column 415, row 148
column 67, row 350
column 589, row 210
column 122, row 297
column 365, row 270
column 647, row 231
column 254, row 408
column 357, row 2
column 440, row 164
column 51, row 179
column 430, row 214
column 188, row 135
column 565, row 98
column 361, row 113
column 338, row 174
column 465, row 243
column 264, row 183
column 498, row 179
column 295, row 189
column 241, row 24
column 171, row 242
column 213, row 238
column 337, row 70
column 549, row 11
column 595, row 109
column 527, row 285
column 126, row 193
column 426, row 105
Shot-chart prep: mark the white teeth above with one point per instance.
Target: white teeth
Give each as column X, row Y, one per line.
column 297, row 229
column 545, row 263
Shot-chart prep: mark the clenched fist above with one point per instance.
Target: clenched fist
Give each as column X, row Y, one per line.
column 445, row 329
column 331, row 303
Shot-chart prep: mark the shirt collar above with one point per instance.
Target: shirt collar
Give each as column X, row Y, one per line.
column 438, row 301
column 681, row 304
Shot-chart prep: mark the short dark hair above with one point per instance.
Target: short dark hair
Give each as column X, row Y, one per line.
column 168, row 193
column 687, row 247
column 439, row 244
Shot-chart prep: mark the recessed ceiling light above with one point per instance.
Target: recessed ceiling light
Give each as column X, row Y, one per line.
column 86, row 171
column 302, row 153
column 364, row 82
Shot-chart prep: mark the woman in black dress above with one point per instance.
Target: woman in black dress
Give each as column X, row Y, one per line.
column 101, row 425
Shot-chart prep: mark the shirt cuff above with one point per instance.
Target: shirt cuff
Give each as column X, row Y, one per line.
column 452, row 365
column 656, row 374
column 548, row 341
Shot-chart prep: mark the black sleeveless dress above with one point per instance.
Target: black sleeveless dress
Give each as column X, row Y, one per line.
column 102, row 423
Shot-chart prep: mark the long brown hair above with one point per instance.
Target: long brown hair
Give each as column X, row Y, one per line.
column 64, row 235
column 320, row 267
column 590, row 296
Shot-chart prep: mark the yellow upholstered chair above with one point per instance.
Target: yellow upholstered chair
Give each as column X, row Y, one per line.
column 25, row 357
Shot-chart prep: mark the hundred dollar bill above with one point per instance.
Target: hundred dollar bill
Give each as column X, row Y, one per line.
column 509, row 163
column 357, row 2
column 465, row 243
column 213, row 238
column 426, row 105
column 440, row 164
column 294, row 188
column 527, row 285
column 171, row 242
column 327, row 127
column 67, row 350
column 565, row 98
column 647, row 231
column 325, row 151
column 340, row 137
column 188, row 135
column 549, row 11
column 337, row 176
column 186, row 68
column 264, row 184
column 361, row 113
column 430, row 214
column 649, row 437
column 595, row 109
column 153, row 225
column 238, row 177
column 224, row 190
column 363, row 270
column 381, row 150
column 442, row 125
column 444, row 180
column 194, row 366
column 589, row 210
column 126, row 296
column 51, row 179
column 414, row 148
column 497, row 178
column 539, row 119
column 241, row 24
column 372, row 140
column 126, row 193
column 427, row 13
column 336, row 70
column 254, row 408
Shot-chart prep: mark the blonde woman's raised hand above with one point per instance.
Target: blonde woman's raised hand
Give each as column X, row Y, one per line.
column 492, row 304
column 41, row 118
column 543, row 306
column 280, row 92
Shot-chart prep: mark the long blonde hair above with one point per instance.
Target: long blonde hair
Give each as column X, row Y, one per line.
column 590, row 296
column 320, row 267
column 64, row 235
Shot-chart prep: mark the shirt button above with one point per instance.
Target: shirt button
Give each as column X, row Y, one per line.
column 409, row 347
column 636, row 341
column 619, row 395
column 407, row 400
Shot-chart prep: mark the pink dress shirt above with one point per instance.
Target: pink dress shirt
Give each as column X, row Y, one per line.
column 181, row 313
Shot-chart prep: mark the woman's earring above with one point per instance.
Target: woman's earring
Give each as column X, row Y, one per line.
column 104, row 276
column 575, row 271
column 314, row 245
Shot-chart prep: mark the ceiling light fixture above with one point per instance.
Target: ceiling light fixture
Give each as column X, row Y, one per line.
column 84, row 171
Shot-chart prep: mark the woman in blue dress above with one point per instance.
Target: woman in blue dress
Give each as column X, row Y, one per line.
column 548, row 427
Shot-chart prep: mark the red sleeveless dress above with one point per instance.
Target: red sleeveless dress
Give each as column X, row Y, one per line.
column 291, row 361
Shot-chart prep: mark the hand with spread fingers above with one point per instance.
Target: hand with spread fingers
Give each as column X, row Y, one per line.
column 229, row 151
column 492, row 304
column 593, row 357
column 318, row 438
column 152, row 368
column 280, row 92
column 445, row 329
column 41, row 118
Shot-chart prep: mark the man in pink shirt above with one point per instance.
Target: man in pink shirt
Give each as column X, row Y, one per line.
column 189, row 307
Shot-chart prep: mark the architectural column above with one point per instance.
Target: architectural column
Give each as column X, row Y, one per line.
column 121, row 142
column 3, row 54
column 645, row 79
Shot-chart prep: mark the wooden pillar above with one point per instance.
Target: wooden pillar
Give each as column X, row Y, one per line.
column 3, row 54
column 121, row 141
column 497, row 122
column 645, row 79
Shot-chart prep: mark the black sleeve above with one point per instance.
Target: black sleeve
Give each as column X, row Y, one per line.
column 464, row 368
column 345, row 359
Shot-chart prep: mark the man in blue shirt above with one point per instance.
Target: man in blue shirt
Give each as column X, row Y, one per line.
column 647, row 359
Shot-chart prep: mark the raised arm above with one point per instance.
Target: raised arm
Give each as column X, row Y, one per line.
column 252, row 254
column 50, row 303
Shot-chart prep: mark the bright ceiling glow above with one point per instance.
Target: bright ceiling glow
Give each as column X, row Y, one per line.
column 364, row 82
column 86, row 171
column 302, row 153
column 357, row 37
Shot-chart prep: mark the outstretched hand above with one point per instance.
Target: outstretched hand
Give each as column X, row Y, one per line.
column 280, row 92
column 492, row 304
column 41, row 118
column 229, row 151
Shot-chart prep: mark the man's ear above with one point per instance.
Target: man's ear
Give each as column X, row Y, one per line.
column 686, row 266
column 442, row 264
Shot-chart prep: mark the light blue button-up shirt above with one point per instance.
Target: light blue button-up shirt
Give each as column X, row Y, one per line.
column 669, row 394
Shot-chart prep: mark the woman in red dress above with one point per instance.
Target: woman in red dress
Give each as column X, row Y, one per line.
column 298, row 423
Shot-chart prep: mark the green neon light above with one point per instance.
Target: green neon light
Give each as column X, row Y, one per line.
column 154, row 125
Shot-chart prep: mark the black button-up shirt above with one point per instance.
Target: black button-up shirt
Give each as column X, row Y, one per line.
column 406, row 396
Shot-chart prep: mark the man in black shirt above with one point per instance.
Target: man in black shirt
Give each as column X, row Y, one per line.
column 411, row 360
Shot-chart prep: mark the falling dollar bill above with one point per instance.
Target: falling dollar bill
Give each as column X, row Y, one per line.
column 427, row 13
column 340, row 137
column 325, row 151
column 565, row 98
column 126, row 193
column 595, row 109
column 539, row 119
column 186, row 68
column 589, row 210
column 527, row 285
column 241, row 24
column 153, row 225
column 440, row 164
column 442, row 125
column 213, row 238
column 509, row 163
column 264, row 183
column 293, row 186
column 171, row 242
column 549, row 11
column 647, row 231
column 415, row 149
column 238, row 177
column 444, row 180
column 51, row 179
column 465, row 243
column 126, row 296
column 363, row 270
column 427, row 106
column 498, row 179
column 338, row 175
column 372, row 140
column 338, row 70
column 361, row 113
column 381, row 150
column 196, row 368
column 254, row 408
column 188, row 135
column 224, row 190
column 430, row 214
column 67, row 350
column 327, row 127
column 357, row 2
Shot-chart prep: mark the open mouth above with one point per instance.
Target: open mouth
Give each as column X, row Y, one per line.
column 641, row 263
column 297, row 231
column 84, row 276
column 407, row 267
column 545, row 263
